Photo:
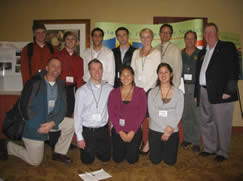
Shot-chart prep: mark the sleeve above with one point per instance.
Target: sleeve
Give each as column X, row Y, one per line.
column 151, row 108
column 142, row 99
column 114, row 111
column 232, row 65
column 111, row 72
column 78, row 72
column 86, row 75
column 179, row 110
column 78, row 110
column 24, row 65
column 133, row 62
column 178, row 67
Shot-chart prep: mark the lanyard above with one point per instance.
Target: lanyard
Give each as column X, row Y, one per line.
column 163, row 54
column 96, row 101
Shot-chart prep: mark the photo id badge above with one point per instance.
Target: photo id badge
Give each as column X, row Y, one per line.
column 69, row 79
column 51, row 103
column 96, row 117
column 163, row 113
column 122, row 122
column 187, row 76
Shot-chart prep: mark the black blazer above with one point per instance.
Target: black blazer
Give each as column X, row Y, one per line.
column 126, row 61
column 221, row 75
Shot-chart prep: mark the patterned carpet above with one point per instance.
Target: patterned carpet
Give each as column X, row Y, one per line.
column 189, row 167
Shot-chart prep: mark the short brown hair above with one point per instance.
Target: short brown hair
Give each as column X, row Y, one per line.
column 212, row 24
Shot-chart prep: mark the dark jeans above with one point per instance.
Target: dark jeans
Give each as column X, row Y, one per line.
column 98, row 144
column 163, row 150
column 123, row 150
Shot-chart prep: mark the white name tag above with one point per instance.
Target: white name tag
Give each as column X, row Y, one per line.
column 122, row 122
column 51, row 103
column 96, row 117
column 69, row 79
column 142, row 78
column 163, row 113
column 188, row 76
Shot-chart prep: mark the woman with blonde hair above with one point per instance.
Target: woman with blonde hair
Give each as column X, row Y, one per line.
column 144, row 63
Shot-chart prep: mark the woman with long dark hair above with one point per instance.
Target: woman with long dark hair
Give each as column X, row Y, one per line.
column 165, row 105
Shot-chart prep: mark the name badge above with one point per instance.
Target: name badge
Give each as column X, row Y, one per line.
column 69, row 79
column 142, row 78
column 188, row 76
column 96, row 117
column 51, row 103
column 122, row 122
column 163, row 113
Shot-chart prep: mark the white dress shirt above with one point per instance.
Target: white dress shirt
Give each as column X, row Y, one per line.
column 202, row 77
column 105, row 55
column 90, row 101
column 145, row 68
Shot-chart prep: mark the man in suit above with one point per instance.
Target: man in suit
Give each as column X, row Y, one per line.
column 215, row 90
column 123, row 53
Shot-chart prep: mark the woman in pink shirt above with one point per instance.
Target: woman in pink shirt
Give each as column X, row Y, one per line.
column 127, row 106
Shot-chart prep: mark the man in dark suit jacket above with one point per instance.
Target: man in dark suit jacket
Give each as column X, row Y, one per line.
column 123, row 53
column 215, row 90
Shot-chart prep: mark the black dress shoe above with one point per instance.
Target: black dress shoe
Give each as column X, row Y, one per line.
column 205, row 154
column 195, row 148
column 3, row 149
column 185, row 144
column 219, row 158
column 61, row 158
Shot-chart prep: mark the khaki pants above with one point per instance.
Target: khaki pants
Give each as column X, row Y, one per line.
column 33, row 151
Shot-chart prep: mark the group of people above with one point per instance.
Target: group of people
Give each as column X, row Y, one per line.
column 126, row 101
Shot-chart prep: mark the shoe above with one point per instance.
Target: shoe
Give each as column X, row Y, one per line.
column 195, row 148
column 205, row 154
column 185, row 144
column 61, row 158
column 220, row 158
column 141, row 150
column 3, row 149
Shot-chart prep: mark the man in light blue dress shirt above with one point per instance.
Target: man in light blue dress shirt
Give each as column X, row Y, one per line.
column 91, row 116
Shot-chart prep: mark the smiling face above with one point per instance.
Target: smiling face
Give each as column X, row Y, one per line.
column 210, row 35
column 96, row 72
column 164, row 75
column 190, row 40
column 146, row 38
column 165, row 34
column 70, row 42
column 127, row 77
column 53, row 68
column 97, row 38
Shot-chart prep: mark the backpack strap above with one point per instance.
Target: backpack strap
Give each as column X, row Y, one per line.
column 30, row 54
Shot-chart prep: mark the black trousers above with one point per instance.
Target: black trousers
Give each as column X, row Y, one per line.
column 123, row 150
column 163, row 150
column 98, row 143
column 70, row 100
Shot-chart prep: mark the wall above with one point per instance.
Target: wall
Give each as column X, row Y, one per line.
column 16, row 16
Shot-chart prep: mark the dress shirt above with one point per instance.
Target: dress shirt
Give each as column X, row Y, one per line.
column 145, row 68
column 105, row 55
column 171, row 54
column 90, row 100
column 209, row 53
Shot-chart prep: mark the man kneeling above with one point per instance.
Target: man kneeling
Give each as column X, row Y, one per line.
column 91, row 116
column 43, row 103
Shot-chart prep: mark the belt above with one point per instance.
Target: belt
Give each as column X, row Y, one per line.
column 95, row 129
column 191, row 83
column 204, row 86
